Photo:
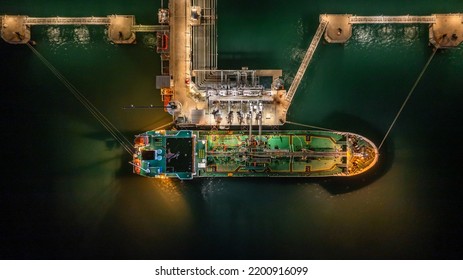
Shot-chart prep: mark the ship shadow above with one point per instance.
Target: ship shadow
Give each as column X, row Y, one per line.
column 111, row 144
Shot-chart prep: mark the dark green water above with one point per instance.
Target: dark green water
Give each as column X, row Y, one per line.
column 68, row 191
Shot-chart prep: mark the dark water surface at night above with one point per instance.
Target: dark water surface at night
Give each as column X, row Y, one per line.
column 67, row 190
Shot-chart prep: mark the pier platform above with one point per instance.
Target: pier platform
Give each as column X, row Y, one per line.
column 339, row 28
column 179, row 64
column 120, row 29
column 447, row 31
column 15, row 30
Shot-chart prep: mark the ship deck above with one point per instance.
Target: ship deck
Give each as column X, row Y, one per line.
column 186, row 154
column 288, row 153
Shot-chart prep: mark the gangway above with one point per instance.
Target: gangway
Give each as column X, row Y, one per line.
column 391, row 19
column 305, row 62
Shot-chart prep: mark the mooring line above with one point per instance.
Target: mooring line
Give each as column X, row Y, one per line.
column 162, row 126
column 310, row 126
column 86, row 103
column 408, row 97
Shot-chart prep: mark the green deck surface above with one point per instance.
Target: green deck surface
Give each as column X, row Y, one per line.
column 277, row 154
column 298, row 153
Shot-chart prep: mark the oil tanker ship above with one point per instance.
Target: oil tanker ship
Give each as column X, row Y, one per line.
column 187, row 154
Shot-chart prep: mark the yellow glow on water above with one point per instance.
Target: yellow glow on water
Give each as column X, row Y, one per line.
column 169, row 191
column 165, row 193
column 168, row 188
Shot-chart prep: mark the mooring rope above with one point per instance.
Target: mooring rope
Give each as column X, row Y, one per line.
column 310, row 126
column 126, row 144
column 408, row 97
column 162, row 126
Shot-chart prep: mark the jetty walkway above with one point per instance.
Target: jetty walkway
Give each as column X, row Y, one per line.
column 122, row 28
column 391, row 19
column 67, row 20
column 305, row 63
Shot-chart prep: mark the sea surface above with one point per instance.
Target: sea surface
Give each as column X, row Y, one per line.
column 68, row 192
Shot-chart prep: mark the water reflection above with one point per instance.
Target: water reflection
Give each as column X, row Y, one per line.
column 81, row 35
column 369, row 36
column 363, row 34
column 274, row 217
column 410, row 32
column 297, row 54
column 386, row 34
column 68, row 36
column 210, row 187
column 55, row 36
column 149, row 41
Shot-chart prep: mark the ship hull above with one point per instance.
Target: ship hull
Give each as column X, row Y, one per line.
column 187, row 154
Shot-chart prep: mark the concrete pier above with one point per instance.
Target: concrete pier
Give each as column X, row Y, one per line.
column 15, row 30
column 179, row 65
